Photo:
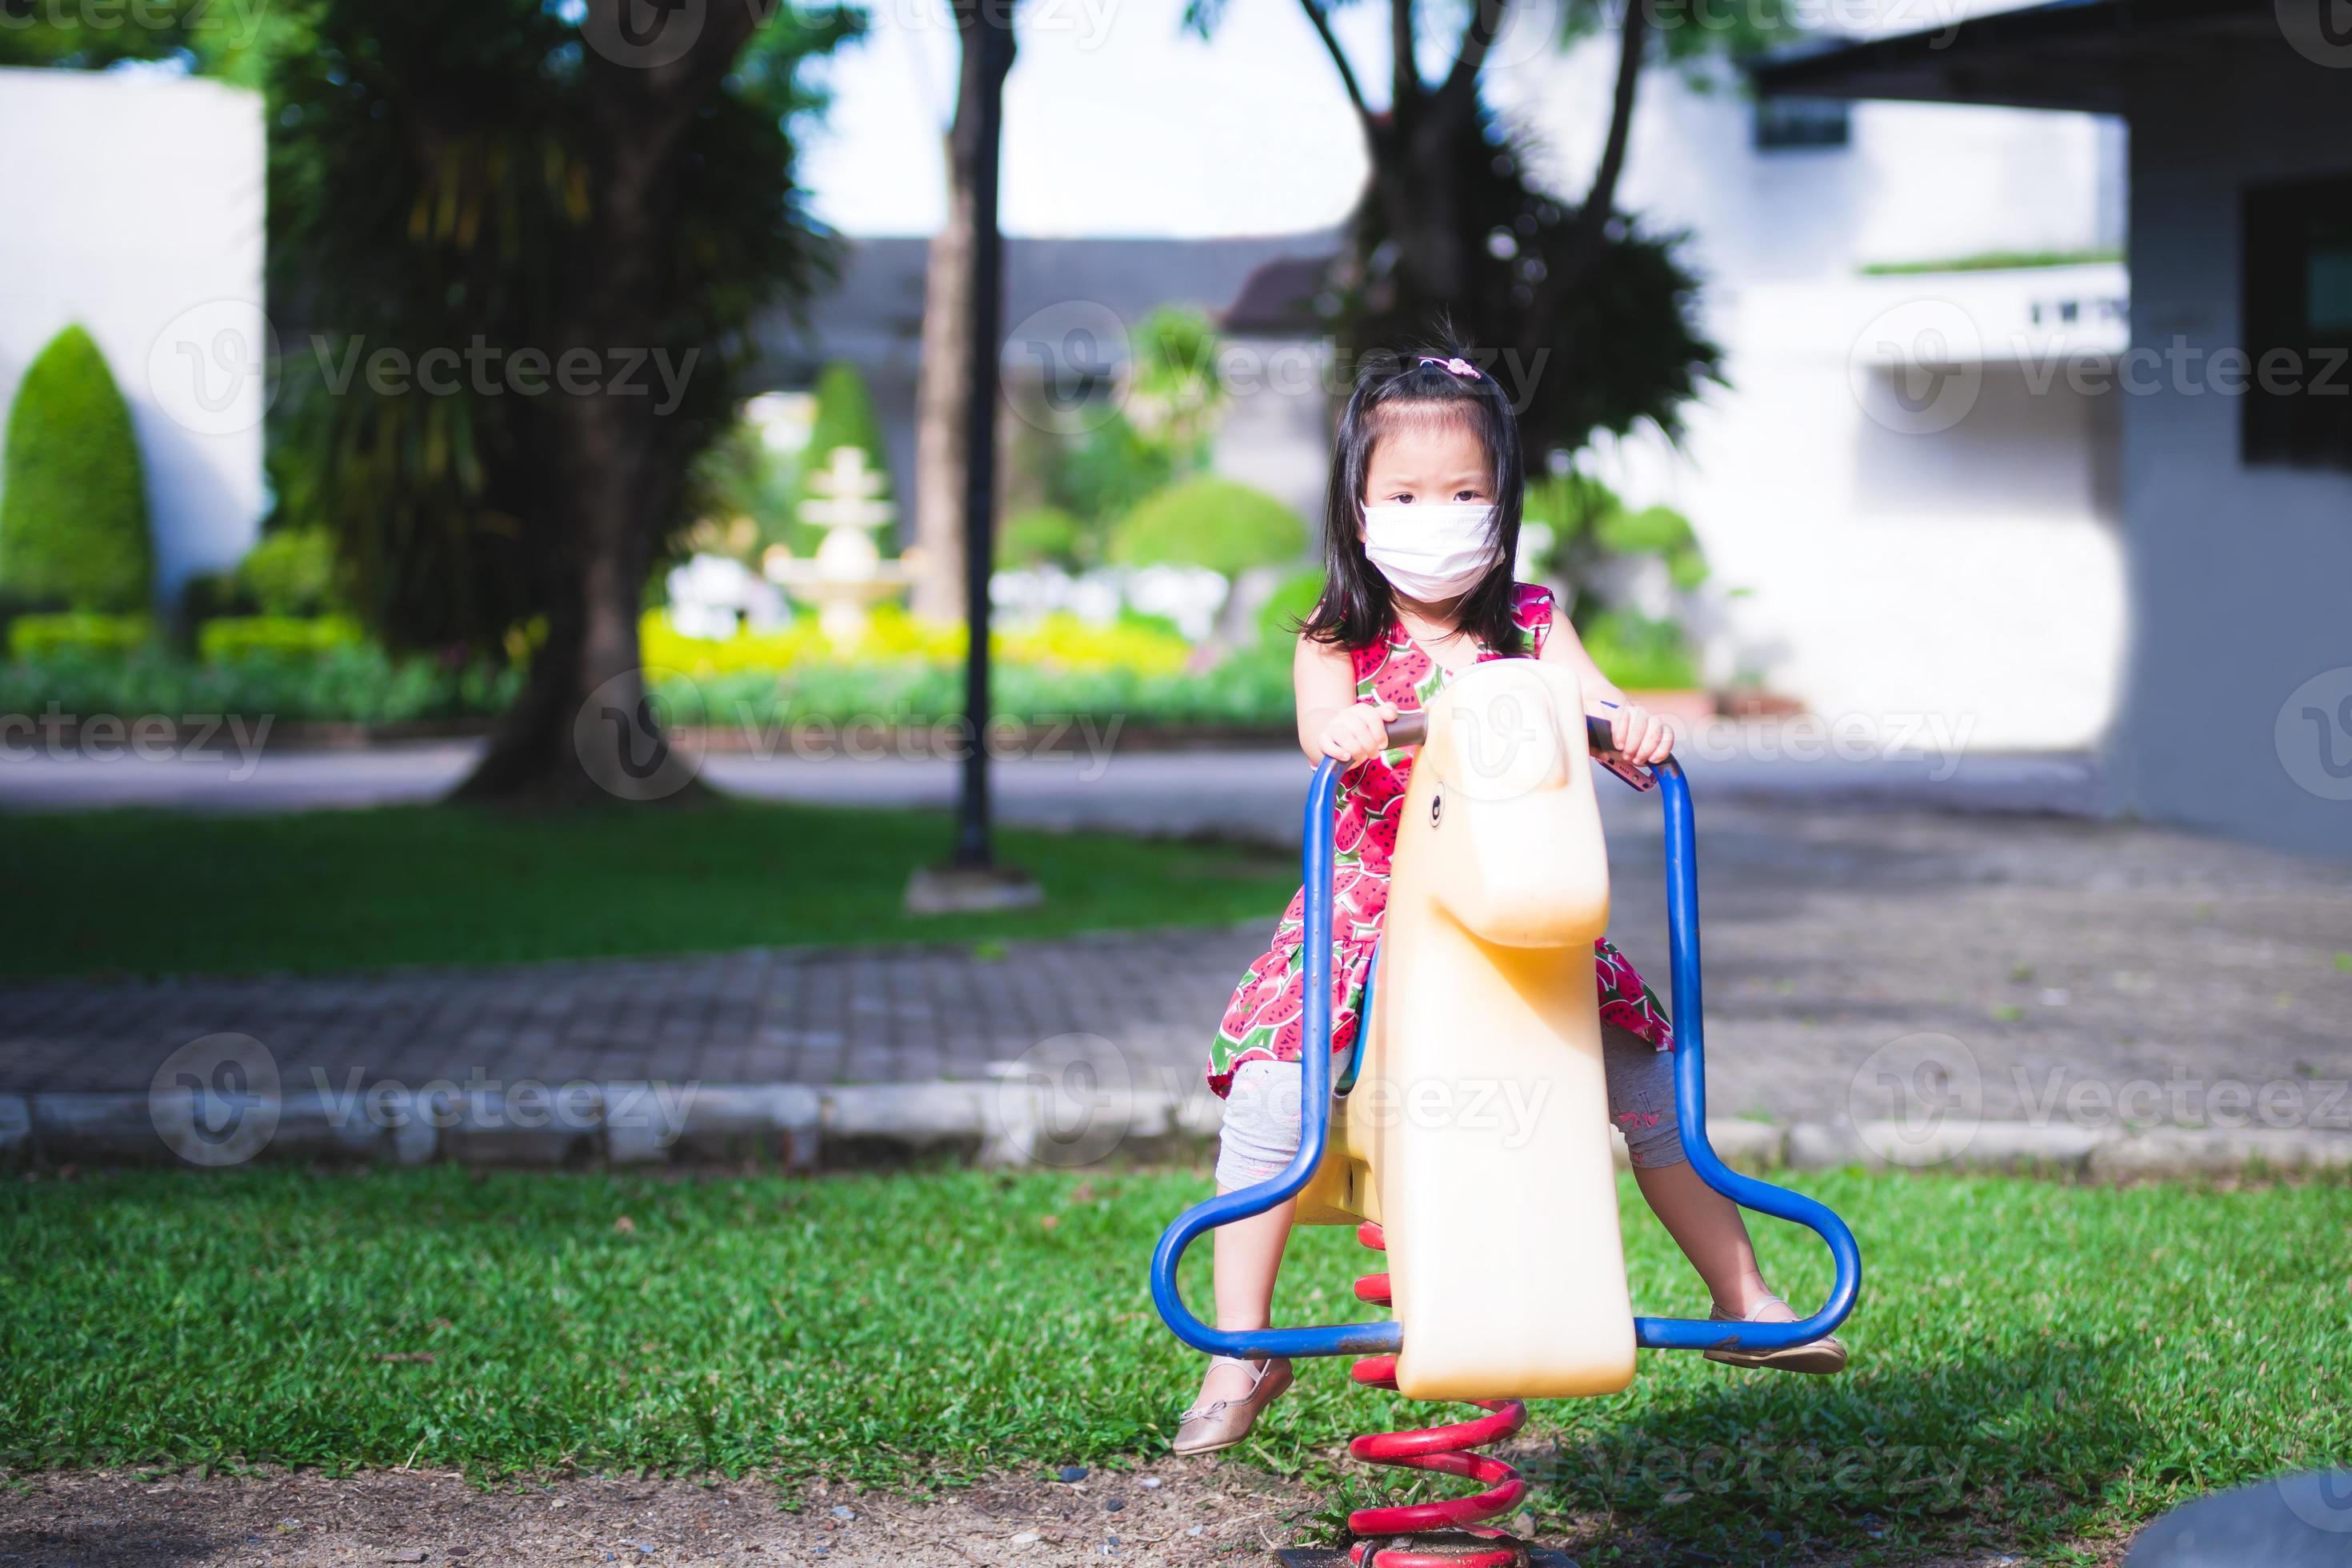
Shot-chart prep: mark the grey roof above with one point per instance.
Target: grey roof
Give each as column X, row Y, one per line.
column 2066, row 54
column 1283, row 299
column 872, row 316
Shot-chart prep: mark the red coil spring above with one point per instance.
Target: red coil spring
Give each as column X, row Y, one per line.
column 1446, row 1450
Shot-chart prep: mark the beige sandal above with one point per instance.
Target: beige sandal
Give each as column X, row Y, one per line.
column 1822, row 1356
column 1206, row 1428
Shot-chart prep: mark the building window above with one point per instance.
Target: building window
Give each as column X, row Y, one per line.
column 2297, row 309
column 1782, row 123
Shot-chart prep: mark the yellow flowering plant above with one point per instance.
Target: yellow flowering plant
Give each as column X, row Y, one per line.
column 1058, row 642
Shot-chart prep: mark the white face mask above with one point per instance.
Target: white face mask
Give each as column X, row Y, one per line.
column 1431, row 551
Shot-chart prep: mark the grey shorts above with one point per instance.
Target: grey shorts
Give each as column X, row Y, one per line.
column 1262, row 1110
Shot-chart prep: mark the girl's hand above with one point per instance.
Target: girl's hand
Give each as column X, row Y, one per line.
column 1359, row 732
column 1638, row 734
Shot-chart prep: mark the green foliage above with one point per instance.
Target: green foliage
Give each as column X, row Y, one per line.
column 1289, row 605
column 1174, row 394
column 73, row 495
column 1045, row 535
column 1692, row 33
column 1591, row 527
column 1620, row 349
column 434, row 176
column 1656, row 530
column 341, row 684
column 1640, row 654
column 311, row 675
column 1106, row 473
column 1209, row 522
column 77, row 634
column 741, row 478
column 229, row 40
column 844, row 417
column 291, row 572
column 1993, row 262
column 1237, row 694
column 208, row 596
column 233, row 638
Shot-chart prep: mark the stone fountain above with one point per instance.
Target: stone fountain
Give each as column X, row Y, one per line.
column 848, row 573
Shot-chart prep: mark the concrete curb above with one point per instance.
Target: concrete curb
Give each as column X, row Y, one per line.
column 1008, row 1122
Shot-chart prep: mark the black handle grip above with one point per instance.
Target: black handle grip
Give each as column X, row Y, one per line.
column 1407, row 729
column 1412, row 729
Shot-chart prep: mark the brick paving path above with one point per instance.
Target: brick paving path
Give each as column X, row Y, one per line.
column 881, row 1015
column 2046, row 957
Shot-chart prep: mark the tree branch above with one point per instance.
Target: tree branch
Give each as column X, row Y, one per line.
column 1486, row 22
column 1601, row 200
column 1582, row 246
column 1405, row 73
column 1322, row 22
column 1633, row 50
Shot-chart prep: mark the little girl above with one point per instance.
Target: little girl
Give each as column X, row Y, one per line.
column 1423, row 523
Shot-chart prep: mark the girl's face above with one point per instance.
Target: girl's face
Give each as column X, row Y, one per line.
column 1428, row 462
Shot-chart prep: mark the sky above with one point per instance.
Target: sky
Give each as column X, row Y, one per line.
column 1118, row 121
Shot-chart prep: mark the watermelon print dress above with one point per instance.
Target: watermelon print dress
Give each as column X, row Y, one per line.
column 1265, row 1019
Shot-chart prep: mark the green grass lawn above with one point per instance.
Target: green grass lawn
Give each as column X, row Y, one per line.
column 144, row 891
column 2035, row 1363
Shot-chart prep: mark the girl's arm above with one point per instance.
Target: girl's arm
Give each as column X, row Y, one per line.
column 1332, row 722
column 1640, row 735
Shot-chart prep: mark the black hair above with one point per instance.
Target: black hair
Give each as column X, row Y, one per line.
column 1358, row 610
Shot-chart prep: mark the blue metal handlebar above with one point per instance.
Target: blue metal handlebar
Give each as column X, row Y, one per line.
column 1690, row 1105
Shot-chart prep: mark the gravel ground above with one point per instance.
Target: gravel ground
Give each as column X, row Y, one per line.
column 117, row 1520
column 1171, row 1513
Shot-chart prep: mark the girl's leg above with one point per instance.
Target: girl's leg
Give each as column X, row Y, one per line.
column 1706, row 1226
column 1248, row 1257
column 1259, row 1137
column 1704, row 1223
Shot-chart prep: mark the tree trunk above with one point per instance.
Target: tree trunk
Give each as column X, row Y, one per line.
column 942, row 391
column 939, row 396
column 1419, row 192
column 584, row 730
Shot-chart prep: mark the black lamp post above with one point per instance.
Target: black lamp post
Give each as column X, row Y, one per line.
column 972, row 879
column 991, row 36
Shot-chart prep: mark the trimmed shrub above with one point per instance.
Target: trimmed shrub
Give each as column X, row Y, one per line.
column 291, row 572
column 1209, row 522
column 1640, row 654
column 100, row 636
column 344, row 685
column 207, row 596
column 1656, row 530
column 1045, row 535
column 1110, row 470
column 73, row 498
column 234, row 637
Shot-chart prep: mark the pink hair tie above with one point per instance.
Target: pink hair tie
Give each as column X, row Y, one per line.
column 1460, row 367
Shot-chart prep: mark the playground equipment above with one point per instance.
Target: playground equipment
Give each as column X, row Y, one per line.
column 1469, row 1141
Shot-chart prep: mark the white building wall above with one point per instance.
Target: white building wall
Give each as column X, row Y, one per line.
column 1968, row 576
column 2242, row 576
column 134, row 206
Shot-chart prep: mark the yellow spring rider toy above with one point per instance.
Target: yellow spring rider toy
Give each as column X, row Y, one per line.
column 1506, row 1268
